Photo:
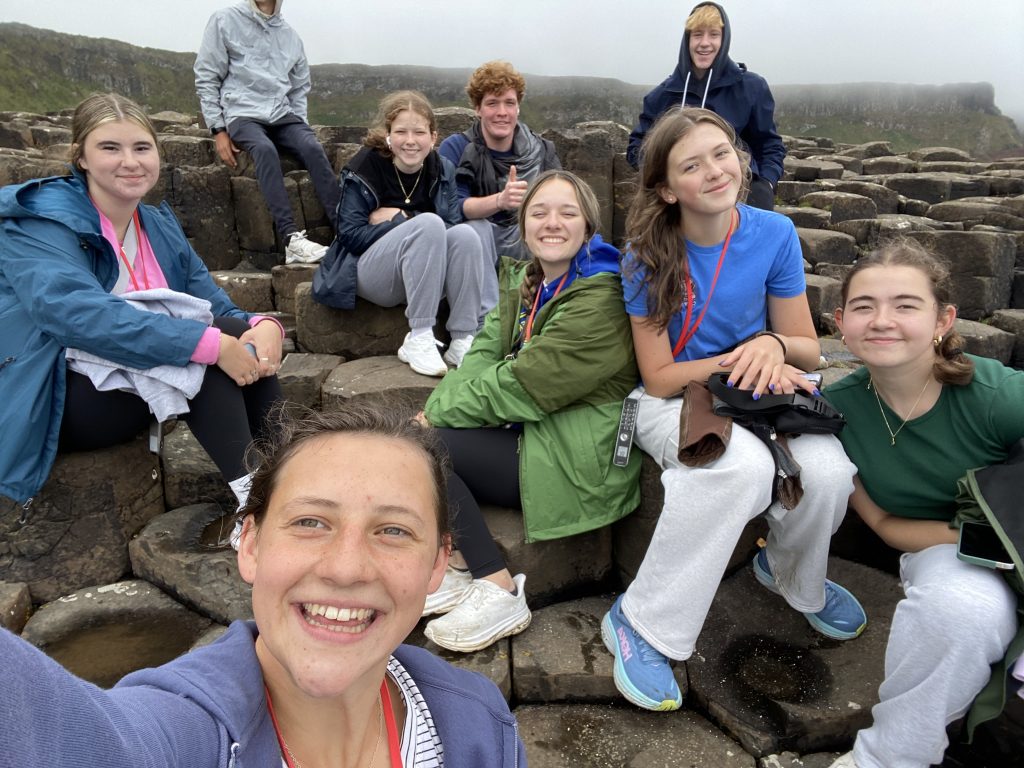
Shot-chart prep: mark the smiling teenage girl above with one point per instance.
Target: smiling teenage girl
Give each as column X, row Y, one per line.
column 399, row 237
column 532, row 415
column 704, row 277
column 73, row 251
column 919, row 415
column 340, row 562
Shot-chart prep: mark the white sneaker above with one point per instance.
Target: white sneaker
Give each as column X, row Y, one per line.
column 302, row 250
column 487, row 613
column 453, row 588
column 420, row 352
column 457, row 350
column 844, row 761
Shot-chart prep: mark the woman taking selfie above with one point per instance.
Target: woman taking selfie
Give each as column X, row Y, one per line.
column 340, row 562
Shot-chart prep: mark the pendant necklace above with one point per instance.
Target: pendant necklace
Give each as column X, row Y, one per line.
column 892, row 435
column 408, row 195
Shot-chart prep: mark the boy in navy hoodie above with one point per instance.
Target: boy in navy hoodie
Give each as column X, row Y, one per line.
column 706, row 77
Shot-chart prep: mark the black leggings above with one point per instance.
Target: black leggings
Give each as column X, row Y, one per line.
column 223, row 416
column 485, row 470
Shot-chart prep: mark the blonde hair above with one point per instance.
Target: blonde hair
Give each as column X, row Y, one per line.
column 590, row 209
column 100, row 109
column 494, row 77
column 391, row 106
column 704, row 17
column 655, row 228
column 951, row 366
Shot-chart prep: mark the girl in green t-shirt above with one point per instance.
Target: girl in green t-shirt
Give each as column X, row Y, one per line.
column 919, row 415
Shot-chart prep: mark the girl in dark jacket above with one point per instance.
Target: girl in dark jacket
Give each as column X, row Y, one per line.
column 400, row 238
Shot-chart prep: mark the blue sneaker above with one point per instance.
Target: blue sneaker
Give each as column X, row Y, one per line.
column 842, row 618
column 642, row 674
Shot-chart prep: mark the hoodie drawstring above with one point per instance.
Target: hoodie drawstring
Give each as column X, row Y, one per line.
column 707, row 87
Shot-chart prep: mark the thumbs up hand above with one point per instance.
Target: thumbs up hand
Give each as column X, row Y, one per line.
column 511, row 197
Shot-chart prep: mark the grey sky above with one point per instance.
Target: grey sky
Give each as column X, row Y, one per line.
column 787, row 41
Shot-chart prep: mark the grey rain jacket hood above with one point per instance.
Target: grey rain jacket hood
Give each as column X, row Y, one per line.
column 250, row 65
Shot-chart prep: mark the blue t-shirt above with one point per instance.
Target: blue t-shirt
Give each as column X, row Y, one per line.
column 764, row 258
column 452, row 148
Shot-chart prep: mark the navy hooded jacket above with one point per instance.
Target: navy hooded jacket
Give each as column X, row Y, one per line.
column 728, row 89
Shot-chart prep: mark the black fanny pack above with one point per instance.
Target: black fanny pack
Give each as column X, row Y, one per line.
column 795, row 414
column 771, row 418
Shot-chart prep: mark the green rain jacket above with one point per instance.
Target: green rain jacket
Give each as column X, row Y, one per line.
column 566, row 387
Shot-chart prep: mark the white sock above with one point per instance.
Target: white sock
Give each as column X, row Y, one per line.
column 240, row 487
column 414, row 332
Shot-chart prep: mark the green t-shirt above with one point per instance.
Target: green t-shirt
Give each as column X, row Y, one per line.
column 969, row 427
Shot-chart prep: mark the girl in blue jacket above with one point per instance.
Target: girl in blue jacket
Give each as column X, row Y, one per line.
column 400, row 238
column 74, row 252
column 340, row 563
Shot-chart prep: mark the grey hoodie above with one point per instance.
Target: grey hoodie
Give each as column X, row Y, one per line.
column 250, row 65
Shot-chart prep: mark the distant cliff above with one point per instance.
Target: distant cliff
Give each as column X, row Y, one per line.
column 43, row 71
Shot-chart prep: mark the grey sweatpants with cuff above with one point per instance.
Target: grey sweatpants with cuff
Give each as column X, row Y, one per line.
column 421, row 262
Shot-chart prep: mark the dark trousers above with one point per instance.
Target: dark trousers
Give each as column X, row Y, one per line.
column 223, row 416
column 292, row 134
column 484, row 470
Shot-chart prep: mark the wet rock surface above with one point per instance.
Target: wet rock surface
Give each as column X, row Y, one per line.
column 15, row 605
column 102, row 633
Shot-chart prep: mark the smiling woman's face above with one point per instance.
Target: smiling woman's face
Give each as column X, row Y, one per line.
column 342, row 561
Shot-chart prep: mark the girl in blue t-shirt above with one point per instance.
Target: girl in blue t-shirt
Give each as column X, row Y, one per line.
column 704, row 277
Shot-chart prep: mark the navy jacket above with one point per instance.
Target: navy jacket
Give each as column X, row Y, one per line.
column 334, row 282
column 56, row 271
column 207, row 709
column 741, row 97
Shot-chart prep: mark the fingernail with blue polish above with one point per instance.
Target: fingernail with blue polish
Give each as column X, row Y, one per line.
column 757, row 396
column 730, row 384
column 816, row 392
column 771, row 387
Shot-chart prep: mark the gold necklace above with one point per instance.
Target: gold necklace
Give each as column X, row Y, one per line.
column 376, row 746
column 408, row 195
column 892, row 435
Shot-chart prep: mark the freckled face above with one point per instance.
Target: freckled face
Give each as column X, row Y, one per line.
column 342, row 562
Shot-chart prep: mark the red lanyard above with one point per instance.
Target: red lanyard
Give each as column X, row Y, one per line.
column 138, row 255
column 394, row 745
column 688, row 330
column 536, row 303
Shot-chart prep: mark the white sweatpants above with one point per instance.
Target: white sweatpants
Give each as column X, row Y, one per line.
column 705, row 511
column 956, row 620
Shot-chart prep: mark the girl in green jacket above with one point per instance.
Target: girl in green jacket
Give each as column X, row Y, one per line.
column 531, row 417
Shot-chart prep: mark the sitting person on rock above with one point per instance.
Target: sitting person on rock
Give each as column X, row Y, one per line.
column 704, row 276
column 706, row 77
column 531, row 418
column 252, row 79
column 496, row 159
column 920, row 413
column 400, row 238
column 345, row 533
column 110, row 317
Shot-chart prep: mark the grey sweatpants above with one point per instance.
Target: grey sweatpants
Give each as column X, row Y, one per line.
column 705, row 511
column 420, row 262
column 956, row 620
